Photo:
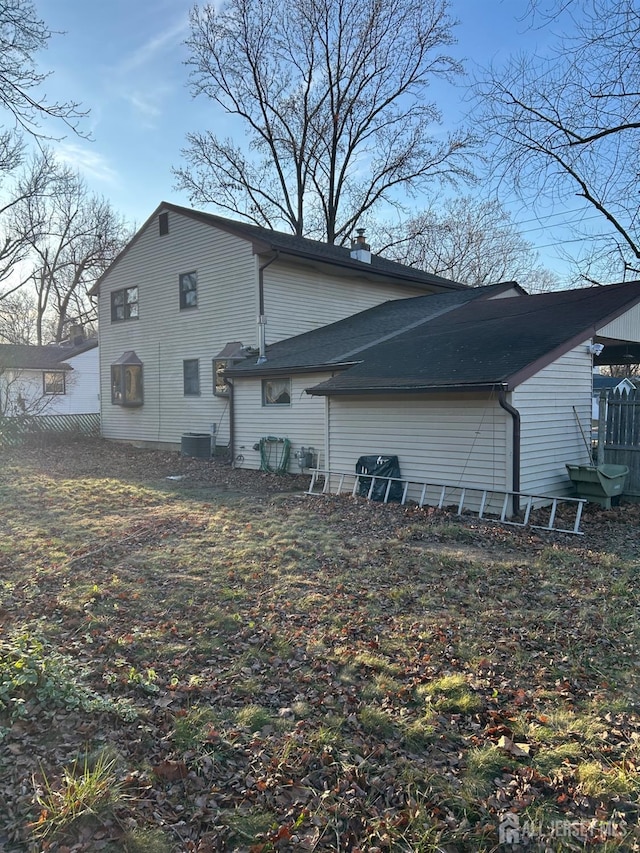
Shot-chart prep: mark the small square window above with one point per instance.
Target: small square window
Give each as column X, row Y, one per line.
column 124, row 304
column 191, row 377
column 188, row 290
column 53, row 382
column 276, row 392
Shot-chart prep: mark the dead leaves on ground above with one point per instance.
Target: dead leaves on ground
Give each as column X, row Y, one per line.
column 281, row 655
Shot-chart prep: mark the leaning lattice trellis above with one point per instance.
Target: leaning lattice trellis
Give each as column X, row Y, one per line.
column 14, row 431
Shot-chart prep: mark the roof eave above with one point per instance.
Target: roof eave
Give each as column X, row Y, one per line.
column 260, row 247
column 478, row 387
column 548, row 358
column 40, row 366
column 266, row 370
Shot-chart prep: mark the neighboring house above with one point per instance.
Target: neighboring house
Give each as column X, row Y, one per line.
column 609, row 384
column 478, row 392
column 192, row 292
column 58, row 379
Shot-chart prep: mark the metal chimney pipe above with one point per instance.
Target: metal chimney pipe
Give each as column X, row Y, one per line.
column 262, row 319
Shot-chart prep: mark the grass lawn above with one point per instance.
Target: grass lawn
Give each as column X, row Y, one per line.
column 210, row 663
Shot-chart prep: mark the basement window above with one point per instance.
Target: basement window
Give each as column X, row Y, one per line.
column 126, row 380
column 276, row 392
column 53, row 382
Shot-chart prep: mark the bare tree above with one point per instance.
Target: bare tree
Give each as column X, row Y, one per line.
column 21, row 395
column 26, row 188
column 331, row 97
column 569, row 123
column 72, row 236
column 468, row 240
column 628, row 369
column 22, row 36
column 24, row 112
column 18, row 318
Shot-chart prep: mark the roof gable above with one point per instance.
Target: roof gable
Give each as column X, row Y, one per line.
column 264, row 240
column 609, row 383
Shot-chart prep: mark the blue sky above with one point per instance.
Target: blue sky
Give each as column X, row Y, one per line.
column 124, row 60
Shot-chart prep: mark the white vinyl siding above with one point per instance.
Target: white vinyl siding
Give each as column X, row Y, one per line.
column 299, row 299
column 625, row 328
column 164, row 336
column 81, row 388
column 21, row 391
column 550, row 430
column 460, row 440
column 302, row 422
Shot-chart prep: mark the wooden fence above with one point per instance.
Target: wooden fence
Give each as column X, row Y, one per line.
column 619, row 436
column 15, row 431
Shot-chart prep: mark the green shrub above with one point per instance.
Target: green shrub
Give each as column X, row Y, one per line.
column 32, row 672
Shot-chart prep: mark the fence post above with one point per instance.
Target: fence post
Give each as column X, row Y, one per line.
column 602, row 421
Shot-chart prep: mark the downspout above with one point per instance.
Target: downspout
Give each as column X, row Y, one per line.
column 515, row 475
column 232, row 422
column 262, row 320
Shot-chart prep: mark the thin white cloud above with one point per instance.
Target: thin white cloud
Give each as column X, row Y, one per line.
column 148, row 52
column 88, row 162
column 146, row 105
column 140, row 78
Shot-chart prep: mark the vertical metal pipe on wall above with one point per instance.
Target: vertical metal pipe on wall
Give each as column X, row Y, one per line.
column 232, row 452
column 515, row 474
column 262, row 320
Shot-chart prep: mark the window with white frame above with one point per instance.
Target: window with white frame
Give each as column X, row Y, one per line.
column 276, row 392
column 53, row 382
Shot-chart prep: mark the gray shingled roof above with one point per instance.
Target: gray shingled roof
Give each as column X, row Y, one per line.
column 605, row 383
column 50, row 357
column 485, row 342
column 445, row 341
column 264, row 239
column 343, row 341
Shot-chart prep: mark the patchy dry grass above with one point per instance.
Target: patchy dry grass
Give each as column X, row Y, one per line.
column 263, row 671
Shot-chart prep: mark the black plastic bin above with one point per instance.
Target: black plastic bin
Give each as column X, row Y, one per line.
column 379, row 466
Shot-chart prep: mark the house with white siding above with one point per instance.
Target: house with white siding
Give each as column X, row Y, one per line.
column 58, row 379
column 610, row 385
column 469, row 390
column 193, row 292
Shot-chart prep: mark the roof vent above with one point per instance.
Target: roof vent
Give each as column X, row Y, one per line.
column 360, row 249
